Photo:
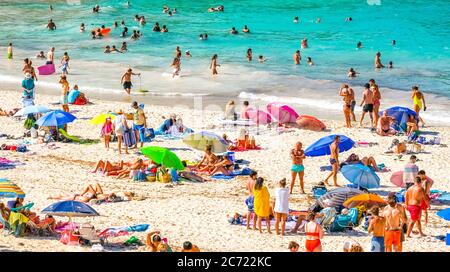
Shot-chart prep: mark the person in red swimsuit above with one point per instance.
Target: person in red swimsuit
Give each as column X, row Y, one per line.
column 314, row 232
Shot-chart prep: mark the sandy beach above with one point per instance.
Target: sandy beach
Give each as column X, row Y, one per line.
column 198, row 211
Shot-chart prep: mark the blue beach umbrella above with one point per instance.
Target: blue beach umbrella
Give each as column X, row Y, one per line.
column 71, row 209
column 444, row 214
column 55, row 118
column 361, row 175
column 322, row 146
column 32, row 110
column 400, row 114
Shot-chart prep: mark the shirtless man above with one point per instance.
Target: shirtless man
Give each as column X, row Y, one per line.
column 376, row 99
column 208, row 160
column 297, row 57
column 249, row 201
column 304, row 43
column 426, row 184
column 51, row 25
column 334, row 160
column 367, row 100
column 414, row 197
column 50, row 56
column 377, row 226
column 384, row 125
column 344, row 92
column 378, row 64
column 395, row 217
column 126, row 80
column 297, row 156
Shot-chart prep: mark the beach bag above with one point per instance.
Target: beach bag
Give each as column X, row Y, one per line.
column 68, row 238
column 129, row 138
column 139, row 176
column 146, row 135
column 174, row 174
column 163, row 176
column 21, row 148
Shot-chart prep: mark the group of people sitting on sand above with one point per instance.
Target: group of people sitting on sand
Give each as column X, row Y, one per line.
column 244, row 142
column 213, row 164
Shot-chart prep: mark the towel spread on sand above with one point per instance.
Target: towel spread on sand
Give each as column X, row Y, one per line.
column 242, row 172
column 262, row 202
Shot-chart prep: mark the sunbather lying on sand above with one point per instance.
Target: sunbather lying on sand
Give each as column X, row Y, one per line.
column 126, row 170
column 107, row 166
column 367, row 161
column 94, row 193
column 8, row 113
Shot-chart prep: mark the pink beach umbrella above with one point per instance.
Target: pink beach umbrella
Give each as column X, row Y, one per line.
column 282, row 112
column 310, row 123
column 259, row 116
column 397, row 179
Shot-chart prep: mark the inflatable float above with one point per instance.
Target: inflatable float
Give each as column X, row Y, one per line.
column 282, row 112
column 105, row 31
column 47, row 69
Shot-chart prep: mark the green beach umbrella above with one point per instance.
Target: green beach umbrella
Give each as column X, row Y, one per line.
column 163, row 156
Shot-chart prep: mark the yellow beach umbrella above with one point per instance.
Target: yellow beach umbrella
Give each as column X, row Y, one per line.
column 101, row 118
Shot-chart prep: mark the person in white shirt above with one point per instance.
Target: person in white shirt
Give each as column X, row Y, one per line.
column 281, row 206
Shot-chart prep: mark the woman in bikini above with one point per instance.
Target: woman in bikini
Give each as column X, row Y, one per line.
column 314, row 233
column 106, row 166
column 347, row 107
column 419, row 102
column 89, row 193
column 224, row 166
column 376, row 99
column 208, row 161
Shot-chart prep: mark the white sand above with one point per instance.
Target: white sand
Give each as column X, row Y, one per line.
column 197, row 211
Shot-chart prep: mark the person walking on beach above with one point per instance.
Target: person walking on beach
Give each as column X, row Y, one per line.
column 414, row 197
column 377, row 227
column 297, row 57
column 427, row 184
column 262, row 203
column 140, row 121
column 64, row 93
column 347, row 107
column 418, row 102
column 65, row 63
column 250, row 199
column 28, row 89
column 367, row 101
column 395, row 216
column 281, row 208
column 297, row 156
column 314, row 232
column 249, row 55
column 120, row 126
column 410, row 172
column 213, row 65
column 378, row 64
column 334, row 160
column 176, row 64
column 9, row 51
column 50, row 56
column 376, row 99
column 107, row 129
column 126, row 80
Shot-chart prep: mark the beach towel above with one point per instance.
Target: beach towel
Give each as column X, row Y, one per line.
column 290, row 224
column 242, row 172
column 69, row 137
column 262, row 202
column 129, row 138
column 121, row 231
column 242, row 149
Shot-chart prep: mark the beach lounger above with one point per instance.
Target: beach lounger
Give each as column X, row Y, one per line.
column 88, row 235
column 326, row 221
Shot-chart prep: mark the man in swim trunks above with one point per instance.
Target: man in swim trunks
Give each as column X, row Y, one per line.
column 376, row 99
column 368, row 104
column 249, row 201
column 395, row 217
column 208, row 160
column 126, row 80
column 50, row 56
column 140, row 121
column 414, row 197
column 297, row 156
column 384, row 125
column 426, row 183
column 377, row 226
column 334, row 160
column 51, row 25
column 418, row 101
column 297, row 57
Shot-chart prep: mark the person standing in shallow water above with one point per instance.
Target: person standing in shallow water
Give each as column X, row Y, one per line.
column 126, row 80
column 378, row 64
column 297, row 57
column 249, row 55
column 213, row 65
column 376, row 100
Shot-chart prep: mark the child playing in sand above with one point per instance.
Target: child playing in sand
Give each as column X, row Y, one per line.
column 281, row 206
column 106, row 131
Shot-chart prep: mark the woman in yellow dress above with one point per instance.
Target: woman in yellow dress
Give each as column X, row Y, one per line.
column 418, row 102
column 262, row 203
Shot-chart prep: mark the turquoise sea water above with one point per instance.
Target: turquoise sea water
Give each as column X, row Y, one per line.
column 420, row 28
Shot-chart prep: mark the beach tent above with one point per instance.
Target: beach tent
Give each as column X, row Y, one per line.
column 310, row 123
column 162, row 156
column 282, row 112
column 259, row 116
column 322, row 146
column 202, row 139
column 55, row 118
column 361, row 175
column 400, row 114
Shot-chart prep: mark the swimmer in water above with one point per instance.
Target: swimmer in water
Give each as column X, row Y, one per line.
column 41, row 55
column 348, row 19
column 296, row 19
column 318, row 20
column 169, row 13
column 359, row 45
column 261, row 59
column 116, row 25
column 176, row 64
column 82, row 27
column 249, row 55
column 107, row 49
column 205, row 36
column 309, row 61
column 352, row 73
column 124, row 32
column 142, row 21
column 297, row 57
column 200, row 37
column 304, row 43
column 124, row 48
column 122, row 23
column 245, row 29
column 156, row 27
column 394, row 42
column 188, row 54
column 114, row 49
column 135, row 35
column 51, row 25
column 50, row 8
column 378, row 63
column 391, row 65
column 164, row 29
column 233, row 31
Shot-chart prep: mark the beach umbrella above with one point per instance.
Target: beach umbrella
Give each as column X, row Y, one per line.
column 259, row 116
column 282, row 112
column 321, row 147
column 444, row 214
column 101, row 118
column 310, row 123
column 70, row 208
column 55, row 118
column 338, row 196
column 10, row 190
column 202, row 139
column 400, row 114
column 397, row 179
column 31, row 110
column 364, row 199
column 361, row 175
column 163, row 156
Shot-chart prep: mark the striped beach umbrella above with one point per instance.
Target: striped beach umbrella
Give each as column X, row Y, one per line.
column 10, row 190
column 338, row 196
